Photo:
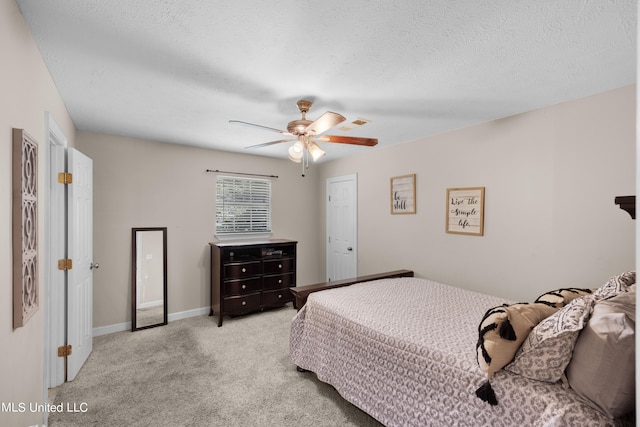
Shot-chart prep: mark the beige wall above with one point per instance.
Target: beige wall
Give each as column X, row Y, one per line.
column 27, row 93
column 141, row 183
column 550, row 175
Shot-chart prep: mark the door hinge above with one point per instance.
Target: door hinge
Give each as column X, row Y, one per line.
column 65, row 264
column 64, row 350
column 65, row 178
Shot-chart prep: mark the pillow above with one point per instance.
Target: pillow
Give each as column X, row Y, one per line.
column 602, row 369
column 561, row 297
column 616, row 285
column 546, row 352
column 500, row 334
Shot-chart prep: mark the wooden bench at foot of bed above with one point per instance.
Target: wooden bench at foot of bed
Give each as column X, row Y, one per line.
column 300, row 293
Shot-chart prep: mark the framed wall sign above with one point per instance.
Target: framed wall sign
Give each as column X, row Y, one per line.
column 403, row 194
column 465, row 211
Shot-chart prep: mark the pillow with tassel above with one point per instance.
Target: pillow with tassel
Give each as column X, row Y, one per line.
column 561, row 297
column 501, row 332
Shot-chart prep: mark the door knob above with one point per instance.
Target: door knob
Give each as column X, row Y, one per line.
column 94, row 265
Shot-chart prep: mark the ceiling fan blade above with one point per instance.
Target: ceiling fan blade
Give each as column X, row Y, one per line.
column 324, row 123
column 369, row 142
column 265, row 144
column 238, row 122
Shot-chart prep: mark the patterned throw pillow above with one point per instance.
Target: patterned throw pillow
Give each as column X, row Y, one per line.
column 616, row 285
column 546, row 352
column 561, row 297
column 500, row 334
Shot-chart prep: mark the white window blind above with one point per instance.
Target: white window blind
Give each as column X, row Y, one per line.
column 243, row 205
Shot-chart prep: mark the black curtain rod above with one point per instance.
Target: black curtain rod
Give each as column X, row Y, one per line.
column 242, row 173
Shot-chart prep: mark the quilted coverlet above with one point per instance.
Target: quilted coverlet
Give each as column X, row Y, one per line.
column 403, row 350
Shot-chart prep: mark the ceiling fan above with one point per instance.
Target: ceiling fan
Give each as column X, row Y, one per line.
column 307, row 132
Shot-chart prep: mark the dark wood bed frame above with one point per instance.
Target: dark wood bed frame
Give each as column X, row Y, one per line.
column 627, row 203
column 300, row 293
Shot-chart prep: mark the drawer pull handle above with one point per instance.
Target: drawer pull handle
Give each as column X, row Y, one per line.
column 279, row 295
column 244, row 286
column 279, row 280
column 244, row 303
column 244, row 270
column 279, row 265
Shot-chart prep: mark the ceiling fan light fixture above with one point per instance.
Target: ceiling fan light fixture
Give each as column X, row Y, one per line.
column 296, row 151
column 294, row 157
column 315, row 150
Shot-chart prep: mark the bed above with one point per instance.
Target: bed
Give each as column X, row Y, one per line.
column 404, row 351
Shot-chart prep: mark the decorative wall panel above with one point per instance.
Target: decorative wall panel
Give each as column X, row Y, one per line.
column 25, row 227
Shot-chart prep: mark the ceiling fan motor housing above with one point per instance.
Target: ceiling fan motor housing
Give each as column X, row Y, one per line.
column 297, row 127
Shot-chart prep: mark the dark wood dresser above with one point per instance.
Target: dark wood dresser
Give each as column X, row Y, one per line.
column 251, row 276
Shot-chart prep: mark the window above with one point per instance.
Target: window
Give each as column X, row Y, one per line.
column 243, row 205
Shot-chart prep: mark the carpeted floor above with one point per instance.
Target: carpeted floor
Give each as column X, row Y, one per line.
column 192, row 373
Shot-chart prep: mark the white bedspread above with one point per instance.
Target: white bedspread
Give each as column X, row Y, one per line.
column 403, row 350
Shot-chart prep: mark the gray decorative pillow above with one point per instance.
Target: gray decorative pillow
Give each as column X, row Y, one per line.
column 616, row 285
column 546, row 352
column 602, row 369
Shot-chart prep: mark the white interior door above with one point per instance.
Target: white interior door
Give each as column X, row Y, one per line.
column 80, row 251
column 342, row 227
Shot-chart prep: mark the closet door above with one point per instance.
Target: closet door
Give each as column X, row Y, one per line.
column 342, row 227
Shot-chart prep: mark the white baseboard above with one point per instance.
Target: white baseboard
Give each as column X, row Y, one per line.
column 104, row 330
column 189, row 313
column 121, row 327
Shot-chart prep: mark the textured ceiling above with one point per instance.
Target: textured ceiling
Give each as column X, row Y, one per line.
column 178, row 71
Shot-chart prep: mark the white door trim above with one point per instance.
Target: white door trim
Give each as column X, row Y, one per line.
column 54, row 235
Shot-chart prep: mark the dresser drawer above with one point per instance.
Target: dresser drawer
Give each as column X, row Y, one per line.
column 242, row 286
column 280, row 265
column 280, row 296
column 277, row 281
column 239, row 270
column 242, row 304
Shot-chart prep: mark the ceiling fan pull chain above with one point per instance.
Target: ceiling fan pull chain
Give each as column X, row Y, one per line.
column 305, row 162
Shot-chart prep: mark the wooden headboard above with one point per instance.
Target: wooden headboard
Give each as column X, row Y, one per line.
column 627, row 203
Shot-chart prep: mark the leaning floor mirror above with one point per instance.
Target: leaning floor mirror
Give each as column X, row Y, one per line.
column 148, row 277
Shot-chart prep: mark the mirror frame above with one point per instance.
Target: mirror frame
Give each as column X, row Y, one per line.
column 134, row 262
